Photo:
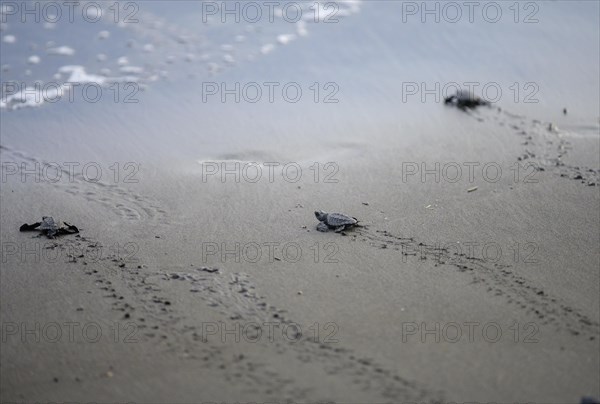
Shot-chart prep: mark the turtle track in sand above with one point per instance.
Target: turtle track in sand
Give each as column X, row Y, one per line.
column 498, row 279
column 544, row 145
column 119, row 277
column 122, row 202
column 145, row 296
column 234, row 296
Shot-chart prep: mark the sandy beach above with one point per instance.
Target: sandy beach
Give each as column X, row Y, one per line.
column 198, row 274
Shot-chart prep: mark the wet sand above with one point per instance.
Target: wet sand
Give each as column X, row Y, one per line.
column 194, row 288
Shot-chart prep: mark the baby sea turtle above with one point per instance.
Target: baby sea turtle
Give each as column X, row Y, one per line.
column 334, row 221
column 50, row 228
column 465, row 99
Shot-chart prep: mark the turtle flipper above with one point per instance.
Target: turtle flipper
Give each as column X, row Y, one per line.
column 322, row 227
column 68, row 229
column 340, row 229
column 30, row 227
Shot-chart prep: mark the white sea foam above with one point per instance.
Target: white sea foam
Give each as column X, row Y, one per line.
column 35, row 96
column 5, row 9
column 92, row 13
column 172, row 41
column 131, row 70
column 61, row 50
column 79, row 75
column 284, row 39
column 213, row 67
column 228, row 58
column 301, row 28
column 267, row 48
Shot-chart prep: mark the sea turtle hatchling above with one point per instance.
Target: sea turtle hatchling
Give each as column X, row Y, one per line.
column 334, row 221
column 50, row 228
column 465, row 99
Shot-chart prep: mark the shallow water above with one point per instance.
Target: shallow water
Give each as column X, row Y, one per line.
column 174, row 92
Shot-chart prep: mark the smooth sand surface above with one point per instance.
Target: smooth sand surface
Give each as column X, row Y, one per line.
column 371, row 315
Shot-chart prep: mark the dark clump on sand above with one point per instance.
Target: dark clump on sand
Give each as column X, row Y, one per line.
column 465, row 100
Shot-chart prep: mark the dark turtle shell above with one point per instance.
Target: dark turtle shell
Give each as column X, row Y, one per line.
column 48, row 223
column 465, row 99
column 339, row 219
